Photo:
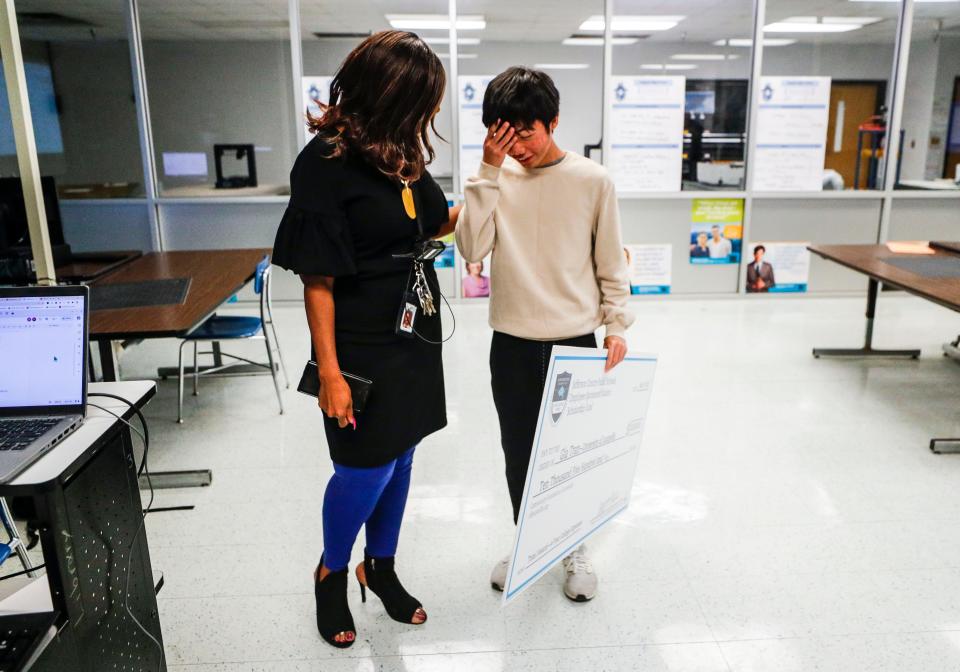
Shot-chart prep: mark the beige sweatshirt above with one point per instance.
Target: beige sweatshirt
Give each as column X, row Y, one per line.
column 558, row 268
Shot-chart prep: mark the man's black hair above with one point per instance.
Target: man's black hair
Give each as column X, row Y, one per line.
column 759, row 248
column 521, row 96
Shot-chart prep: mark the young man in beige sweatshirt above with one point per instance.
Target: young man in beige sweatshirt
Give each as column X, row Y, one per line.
column 558, row 271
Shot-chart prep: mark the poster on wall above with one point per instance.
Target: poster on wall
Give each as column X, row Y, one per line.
column 475, row 278
column 472, row 130
column 316, row 89
column 716, row 230
column 778, row 268
column 649, row 267
column 446, row 259
column 792, row 117
column 646, row 146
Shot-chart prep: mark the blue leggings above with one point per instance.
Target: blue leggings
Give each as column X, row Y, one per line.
column 375, row 496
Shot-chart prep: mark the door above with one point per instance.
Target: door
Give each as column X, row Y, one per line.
column 952, row 159
column 851, row 104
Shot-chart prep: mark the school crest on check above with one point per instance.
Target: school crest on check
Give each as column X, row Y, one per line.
column 561, row 391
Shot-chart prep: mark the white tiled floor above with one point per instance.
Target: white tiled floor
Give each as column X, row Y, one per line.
column 787, row 513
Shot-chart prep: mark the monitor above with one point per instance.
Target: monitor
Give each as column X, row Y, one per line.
column 700, row 102
column 14, row 231
column 43, row 336
column 43, row 109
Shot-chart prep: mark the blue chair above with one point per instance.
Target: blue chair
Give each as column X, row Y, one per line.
column 15, row 543
column 234, row 327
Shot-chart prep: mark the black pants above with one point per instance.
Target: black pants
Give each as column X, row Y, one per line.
column 518, row 374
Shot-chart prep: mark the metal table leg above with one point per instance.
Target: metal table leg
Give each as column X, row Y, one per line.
column 164, row 480
column 109, row 369
column 944, row 446
column 867, row 350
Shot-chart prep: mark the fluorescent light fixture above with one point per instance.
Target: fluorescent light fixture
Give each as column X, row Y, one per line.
column 590, row 41
column 460, row 57
column 636, row 23
column 767, row 41
column 814, row 24
column 899, row 0
column 462, row 41
column 668, row 66
column 704, row 57
column 561, row 66
column 435, row 22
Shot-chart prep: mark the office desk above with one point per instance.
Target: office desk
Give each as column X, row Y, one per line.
column 90, row 266
column 84, row 498
column 211, row 191
column 215, row 276
column 873, row 261
column 936, row 185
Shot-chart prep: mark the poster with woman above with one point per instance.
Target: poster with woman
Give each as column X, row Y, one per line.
column 475, row 280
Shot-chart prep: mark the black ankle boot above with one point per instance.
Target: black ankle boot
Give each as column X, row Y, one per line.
column 378, row 575
column 333, row 612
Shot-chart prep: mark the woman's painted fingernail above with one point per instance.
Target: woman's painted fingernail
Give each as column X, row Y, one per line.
column 353, row 422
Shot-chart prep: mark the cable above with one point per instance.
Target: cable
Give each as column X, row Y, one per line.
column 145, row 436
column 143, row 518
column 452, row 315
column 21, row 573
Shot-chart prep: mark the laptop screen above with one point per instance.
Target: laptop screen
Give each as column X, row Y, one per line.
column 42, row 350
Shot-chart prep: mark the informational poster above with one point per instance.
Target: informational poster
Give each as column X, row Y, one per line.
column 778, row 267
column 316, row 91
column 646, row 146
column 791, row 144
column 650, row 268
column 475, row 278
column 716, row 230
column 446, row 259
column 472, row 130
column 583, row 460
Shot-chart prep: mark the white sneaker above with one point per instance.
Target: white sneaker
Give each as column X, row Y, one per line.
column 581, row 583
column 498, row 577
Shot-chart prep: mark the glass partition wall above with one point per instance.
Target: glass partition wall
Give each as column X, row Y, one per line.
column 225, row 117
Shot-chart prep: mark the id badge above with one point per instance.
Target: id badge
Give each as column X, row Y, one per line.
column 407, row 318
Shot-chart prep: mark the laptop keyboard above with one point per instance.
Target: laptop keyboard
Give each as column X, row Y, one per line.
column 16, row 434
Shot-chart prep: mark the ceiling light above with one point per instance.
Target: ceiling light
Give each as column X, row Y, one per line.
column 435, row 22
column 463, row 41
column 633, row 23
column 668, row 66
column 704, row 57
column 460, row 57
column 813, row 24
column 747, row 42
column 591, row 41
column 899, row 0
column 561, row 66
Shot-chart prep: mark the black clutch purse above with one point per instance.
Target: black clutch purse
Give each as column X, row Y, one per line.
column 359, row 387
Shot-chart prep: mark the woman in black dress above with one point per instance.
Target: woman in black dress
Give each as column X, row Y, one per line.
column 361, row 201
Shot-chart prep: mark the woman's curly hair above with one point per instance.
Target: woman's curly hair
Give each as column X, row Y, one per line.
column 382, row 103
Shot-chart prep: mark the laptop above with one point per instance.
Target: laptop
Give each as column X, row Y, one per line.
column 43, row 371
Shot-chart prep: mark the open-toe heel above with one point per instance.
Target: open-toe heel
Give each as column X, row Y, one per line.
column 334, row 619
column 379, row 576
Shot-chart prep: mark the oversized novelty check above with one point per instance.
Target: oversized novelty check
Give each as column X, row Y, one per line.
column 583, row 459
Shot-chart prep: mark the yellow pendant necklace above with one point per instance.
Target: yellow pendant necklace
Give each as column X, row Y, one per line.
column 407, row 195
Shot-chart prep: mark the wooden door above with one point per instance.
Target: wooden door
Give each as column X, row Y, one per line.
column 851, row 104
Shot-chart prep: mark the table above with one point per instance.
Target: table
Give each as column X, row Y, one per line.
column 89, row 266
column 871, row 260
column 215, row 276
column 84, row 497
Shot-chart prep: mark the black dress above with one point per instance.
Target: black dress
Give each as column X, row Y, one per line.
column 346, row 219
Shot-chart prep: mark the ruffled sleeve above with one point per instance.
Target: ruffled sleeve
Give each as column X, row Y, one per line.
column 314, row 234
